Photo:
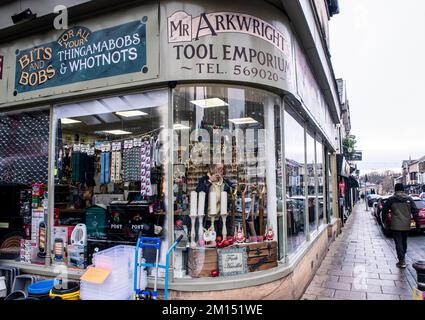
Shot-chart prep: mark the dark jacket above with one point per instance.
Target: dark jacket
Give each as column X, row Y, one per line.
column 204, row 185
column 402, row 208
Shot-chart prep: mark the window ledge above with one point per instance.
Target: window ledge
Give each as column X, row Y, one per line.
column 194, row 285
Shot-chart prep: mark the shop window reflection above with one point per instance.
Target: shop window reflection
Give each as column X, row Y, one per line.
column 225, row 172
column 295, row 175
column 330, row 185
column 311, row 184
column 320, row 181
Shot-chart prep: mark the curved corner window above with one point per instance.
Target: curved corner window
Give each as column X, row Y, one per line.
column 295, row 175
column 311, row 183
column 320, row 170
column 224, row 180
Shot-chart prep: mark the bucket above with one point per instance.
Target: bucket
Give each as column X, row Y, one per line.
column 41, row 289
column 68, row 290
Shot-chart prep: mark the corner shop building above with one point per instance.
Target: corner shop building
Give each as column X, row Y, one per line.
column 175, row 76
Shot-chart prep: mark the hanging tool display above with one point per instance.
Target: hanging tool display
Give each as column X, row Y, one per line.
column 261, row 203
column 223, row 213
column 243, row 188
column 234, row 196
column 201, row 214
column 193, row 215
column 253, row 234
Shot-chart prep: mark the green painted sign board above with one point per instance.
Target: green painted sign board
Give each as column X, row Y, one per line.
column 80, row 55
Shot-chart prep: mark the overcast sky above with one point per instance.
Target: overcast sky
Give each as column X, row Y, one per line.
column 378, row 47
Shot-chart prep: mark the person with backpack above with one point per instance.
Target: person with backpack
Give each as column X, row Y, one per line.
column 402, row 208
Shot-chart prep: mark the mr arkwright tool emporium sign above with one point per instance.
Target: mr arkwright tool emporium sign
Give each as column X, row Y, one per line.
column 229, row 46
column 81, row 55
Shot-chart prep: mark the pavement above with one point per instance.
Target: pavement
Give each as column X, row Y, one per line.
column 360, row 264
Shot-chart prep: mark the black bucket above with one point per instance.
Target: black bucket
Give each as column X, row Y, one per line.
column 16, row 295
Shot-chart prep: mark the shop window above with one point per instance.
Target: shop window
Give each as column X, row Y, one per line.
column 24, row 148
column 109, row 174
column 295, row 191
column 311, row 184
column 278, row 129
column 320, row 181
column 330, row 186
column 225, row 172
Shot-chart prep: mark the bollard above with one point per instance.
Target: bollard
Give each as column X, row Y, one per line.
column 419, row 266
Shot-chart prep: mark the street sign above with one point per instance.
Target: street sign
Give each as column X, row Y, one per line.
column 358, row 156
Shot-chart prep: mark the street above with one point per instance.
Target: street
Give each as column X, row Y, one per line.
column 360, row 264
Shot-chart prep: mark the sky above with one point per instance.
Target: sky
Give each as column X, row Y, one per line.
column 378, row 47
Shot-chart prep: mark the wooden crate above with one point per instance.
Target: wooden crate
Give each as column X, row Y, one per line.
column 261, row 255
column 201, row 261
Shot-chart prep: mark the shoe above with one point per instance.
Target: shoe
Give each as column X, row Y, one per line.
column 401, row 264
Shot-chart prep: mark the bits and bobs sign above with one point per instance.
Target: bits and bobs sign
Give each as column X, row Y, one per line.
column 81, row 55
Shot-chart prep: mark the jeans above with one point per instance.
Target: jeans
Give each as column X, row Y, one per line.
column 400, row 239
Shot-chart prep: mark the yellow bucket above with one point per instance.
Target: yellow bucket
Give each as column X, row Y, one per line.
column 69, row 296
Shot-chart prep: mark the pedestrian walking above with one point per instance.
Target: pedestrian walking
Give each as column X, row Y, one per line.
column 402, row 208
column 362, row 196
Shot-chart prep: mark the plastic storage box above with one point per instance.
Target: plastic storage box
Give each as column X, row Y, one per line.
column 119, row 283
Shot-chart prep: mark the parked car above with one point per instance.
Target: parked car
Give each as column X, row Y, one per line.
column 420, row 204
column 371, row 198
column 378, row 208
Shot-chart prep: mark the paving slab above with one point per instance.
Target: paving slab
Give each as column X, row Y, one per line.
column 360, row 265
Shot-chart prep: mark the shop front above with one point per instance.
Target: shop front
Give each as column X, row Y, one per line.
column 169, row 119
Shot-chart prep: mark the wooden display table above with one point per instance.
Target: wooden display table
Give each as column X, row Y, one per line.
column 261, row 255
column 201, row 262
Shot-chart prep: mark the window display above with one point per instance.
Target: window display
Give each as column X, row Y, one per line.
column 24, row 137
column 227, row 181
column 329, row 202
column 109, row 177
column 278, row 129
column 311, row 183
column 224, row 189
column 320, row 170
column 295, row 175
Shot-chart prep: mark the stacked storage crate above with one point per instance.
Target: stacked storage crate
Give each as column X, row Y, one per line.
column 118, row 285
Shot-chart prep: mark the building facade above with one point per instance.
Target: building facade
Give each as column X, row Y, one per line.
column 414, row 175
column 115, row 120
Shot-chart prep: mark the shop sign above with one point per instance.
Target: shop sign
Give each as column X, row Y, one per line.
column 232, row 261
column 310, row 92
column 358, row 156
column 80, row 55
column 183, row 28
column 229, row 46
